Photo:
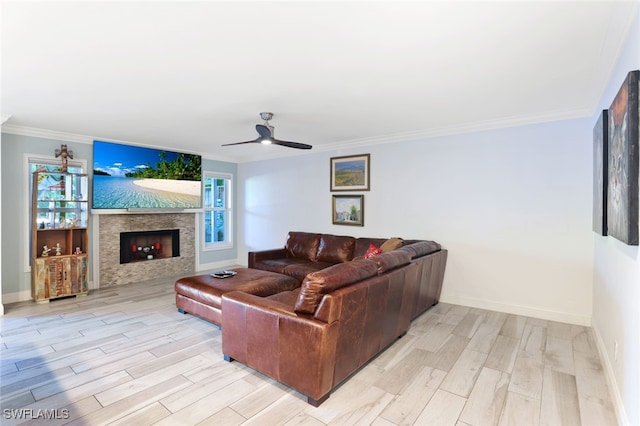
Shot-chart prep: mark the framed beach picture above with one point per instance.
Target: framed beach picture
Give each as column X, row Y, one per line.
column 624, row 132
column 350, row 173
column 129, row 177
column 348, row 210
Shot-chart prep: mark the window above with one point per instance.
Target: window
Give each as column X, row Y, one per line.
column 217, row 211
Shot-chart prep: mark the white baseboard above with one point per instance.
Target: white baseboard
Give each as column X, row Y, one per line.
column 25, row 295
column 614, row 391
column 527, row 311
column 218, row 265
column 18, row 296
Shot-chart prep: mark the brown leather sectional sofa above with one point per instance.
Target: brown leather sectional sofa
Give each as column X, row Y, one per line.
column 345, row 312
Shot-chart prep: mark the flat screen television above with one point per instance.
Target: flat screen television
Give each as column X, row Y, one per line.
column 139, row 178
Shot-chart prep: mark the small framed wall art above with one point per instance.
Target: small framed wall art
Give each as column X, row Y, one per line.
column 348, row 210
column 350, row 173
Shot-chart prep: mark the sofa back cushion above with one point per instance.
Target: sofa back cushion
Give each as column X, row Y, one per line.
column 391, row 260
column 335, row 248
column 362, row 245
column 317, row 284
column 421, row 248
column 303, row 245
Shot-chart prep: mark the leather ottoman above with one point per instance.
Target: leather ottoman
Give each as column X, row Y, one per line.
column 201, row 295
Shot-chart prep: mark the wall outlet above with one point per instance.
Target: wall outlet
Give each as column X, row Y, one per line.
column 615, row 350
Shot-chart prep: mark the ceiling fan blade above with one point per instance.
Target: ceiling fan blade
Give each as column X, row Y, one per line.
column 266, row 136
column 297, row 145
column 264, row 131
column 240, row 143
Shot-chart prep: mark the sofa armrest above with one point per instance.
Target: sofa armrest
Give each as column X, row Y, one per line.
column 259, row 256
column 268, row 336
column 259, row 303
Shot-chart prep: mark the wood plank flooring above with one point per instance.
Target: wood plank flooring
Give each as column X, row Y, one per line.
column 124, row 356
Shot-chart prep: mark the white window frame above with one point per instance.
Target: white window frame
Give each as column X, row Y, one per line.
column 228, row 242
column 27, row 187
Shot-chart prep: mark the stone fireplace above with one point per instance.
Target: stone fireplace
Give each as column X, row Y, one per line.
column 169, row 258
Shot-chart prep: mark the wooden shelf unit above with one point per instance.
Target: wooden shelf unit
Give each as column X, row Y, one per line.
column 59, row 235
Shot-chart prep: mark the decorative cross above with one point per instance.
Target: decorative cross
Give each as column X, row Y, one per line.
column 64, row 154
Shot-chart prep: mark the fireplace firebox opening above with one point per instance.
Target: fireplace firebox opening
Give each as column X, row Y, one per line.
column 149, row 245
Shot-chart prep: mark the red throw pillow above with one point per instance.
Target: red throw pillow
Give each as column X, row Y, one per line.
column 373, row 250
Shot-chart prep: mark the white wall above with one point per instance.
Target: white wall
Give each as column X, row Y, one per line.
column 616, row 293
column 513, row 206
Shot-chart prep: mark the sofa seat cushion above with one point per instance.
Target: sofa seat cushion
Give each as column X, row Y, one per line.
column 296, row 268
column 303, row 245
column 335, row 248
column 279, row 265
column 300, row 270
column 286, row 297
column 319, row 283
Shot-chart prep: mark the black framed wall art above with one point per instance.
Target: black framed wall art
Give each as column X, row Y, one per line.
column 600, row 173
column 623, row 164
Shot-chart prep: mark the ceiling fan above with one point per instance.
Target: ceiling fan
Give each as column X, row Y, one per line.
column 266, row 135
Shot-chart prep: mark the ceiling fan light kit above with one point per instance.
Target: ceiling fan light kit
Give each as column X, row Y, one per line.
column 266, row 137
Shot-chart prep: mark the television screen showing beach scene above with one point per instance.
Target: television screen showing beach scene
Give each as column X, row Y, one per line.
column 136, row 177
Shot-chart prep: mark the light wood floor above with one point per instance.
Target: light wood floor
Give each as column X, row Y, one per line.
column 126, row 356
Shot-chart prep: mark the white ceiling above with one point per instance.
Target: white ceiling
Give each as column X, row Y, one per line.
column 194, row 75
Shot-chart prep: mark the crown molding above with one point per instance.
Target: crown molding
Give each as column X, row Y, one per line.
column 441, row 131
column 73, row 137
column 432, row 132
column 471, row 127
column 46, row 134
